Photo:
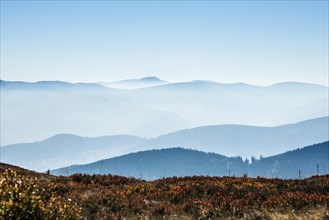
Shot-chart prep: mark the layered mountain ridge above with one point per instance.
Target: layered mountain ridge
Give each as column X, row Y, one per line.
column 90, row 109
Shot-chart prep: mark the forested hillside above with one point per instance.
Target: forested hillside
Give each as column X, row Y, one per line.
column 155, row 164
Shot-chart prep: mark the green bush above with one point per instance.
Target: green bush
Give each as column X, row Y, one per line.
column 24, row 197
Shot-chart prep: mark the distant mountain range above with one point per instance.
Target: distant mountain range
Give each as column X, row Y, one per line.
column 48, row 85
column 136, row 83
column 63, row 150
column 229, row 140
column 243, row 140
column 155, row 164
column 159, row 107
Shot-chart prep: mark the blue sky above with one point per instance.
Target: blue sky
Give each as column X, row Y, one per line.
column 258, row 42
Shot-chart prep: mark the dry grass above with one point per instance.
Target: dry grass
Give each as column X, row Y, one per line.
column 114, row 197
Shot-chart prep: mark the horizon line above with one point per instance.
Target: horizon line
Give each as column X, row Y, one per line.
column 168, row 82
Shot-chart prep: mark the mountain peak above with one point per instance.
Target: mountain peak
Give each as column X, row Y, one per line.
column 148, row 81
column 151, row 79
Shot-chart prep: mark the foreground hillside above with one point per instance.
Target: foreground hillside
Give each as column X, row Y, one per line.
column 114, row 197
column 155, row 164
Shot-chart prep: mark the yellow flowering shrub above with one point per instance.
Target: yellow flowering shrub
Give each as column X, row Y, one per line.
column 23, row 197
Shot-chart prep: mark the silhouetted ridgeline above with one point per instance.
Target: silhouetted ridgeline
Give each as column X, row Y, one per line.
column 155, row 164
column 287, row 165
column 65, row 149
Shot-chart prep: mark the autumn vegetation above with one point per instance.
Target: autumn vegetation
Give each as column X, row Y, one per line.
column 31, row 195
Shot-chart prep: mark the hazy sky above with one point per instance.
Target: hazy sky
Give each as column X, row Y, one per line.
column 258, row 42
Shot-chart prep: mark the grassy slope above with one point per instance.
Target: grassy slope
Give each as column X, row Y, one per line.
column 191, row 197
